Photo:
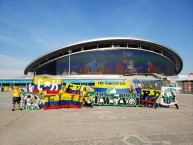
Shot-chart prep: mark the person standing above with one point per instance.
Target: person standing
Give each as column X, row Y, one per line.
column 31, row 88
column 138, row 91
column 62, row 90
column 132, row 89
column 174, row 100
column 42, row 93
column 16, row 97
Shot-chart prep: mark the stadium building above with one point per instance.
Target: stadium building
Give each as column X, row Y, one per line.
column 109, row 56
column 116, row 59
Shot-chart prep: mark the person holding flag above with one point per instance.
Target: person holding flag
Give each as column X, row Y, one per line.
column 42, row 93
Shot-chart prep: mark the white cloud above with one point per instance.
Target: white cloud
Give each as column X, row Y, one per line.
column 11, row 67
column 11, row 73
column 40, row 39
column 9, row 62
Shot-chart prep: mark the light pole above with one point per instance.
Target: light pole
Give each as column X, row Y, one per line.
column 69, row 51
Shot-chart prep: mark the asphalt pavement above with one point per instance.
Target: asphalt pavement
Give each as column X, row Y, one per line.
column 102, row 125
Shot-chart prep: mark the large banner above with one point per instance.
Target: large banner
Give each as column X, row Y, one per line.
column 52, row 85
column 168, row 96
column 71, row 98
column 65, row 100
column 112, row 87
column 30, row 101
column 149, row 97
column 105, row 99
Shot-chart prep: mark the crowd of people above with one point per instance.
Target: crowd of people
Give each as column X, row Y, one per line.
column 27, row 98
column 37, row 100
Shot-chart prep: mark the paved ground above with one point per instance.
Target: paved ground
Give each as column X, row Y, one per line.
column 97, row 126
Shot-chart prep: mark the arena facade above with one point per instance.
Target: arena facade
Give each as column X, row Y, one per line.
column 109, row 56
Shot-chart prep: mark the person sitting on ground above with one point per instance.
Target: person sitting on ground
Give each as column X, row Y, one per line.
column 28, row 101
column 35, row 102
column 88, row 102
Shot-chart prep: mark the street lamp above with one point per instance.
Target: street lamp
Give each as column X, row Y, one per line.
column 69, row 51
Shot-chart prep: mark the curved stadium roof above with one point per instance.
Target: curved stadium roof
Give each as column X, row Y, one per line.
column 101, row 43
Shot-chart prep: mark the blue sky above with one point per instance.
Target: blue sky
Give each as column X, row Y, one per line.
column 30, row 28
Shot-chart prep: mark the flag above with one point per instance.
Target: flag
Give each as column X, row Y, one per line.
column 51, row 85
column 66, row 100
column 114, row 87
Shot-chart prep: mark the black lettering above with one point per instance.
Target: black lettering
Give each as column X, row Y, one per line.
column 156, row 93
column 72, row 98
column 49, row 99
column 96, row 100
column 124, row 99
column 146, row 92
column 78, row 89
column 59, row 99
column 106, row 100
column 80, row 97
column 69, row 90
